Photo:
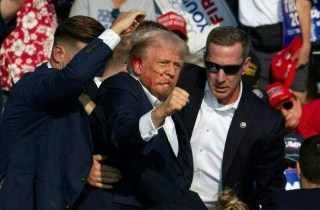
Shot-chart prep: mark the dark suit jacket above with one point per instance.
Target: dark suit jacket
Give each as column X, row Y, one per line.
column 301, row 199
column 45, row 145
column 253, row 156
column 151, row 173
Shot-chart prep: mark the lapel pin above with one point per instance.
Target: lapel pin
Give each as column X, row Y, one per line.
column 243, row 125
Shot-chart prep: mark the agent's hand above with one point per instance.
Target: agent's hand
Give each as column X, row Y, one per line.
column 126, row 22
column 178, row 99
column 102, row 176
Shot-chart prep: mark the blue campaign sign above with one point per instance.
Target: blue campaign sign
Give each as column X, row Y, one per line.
column 293, row 181
column 291, row 25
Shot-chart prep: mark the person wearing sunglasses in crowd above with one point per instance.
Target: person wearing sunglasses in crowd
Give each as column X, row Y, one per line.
column 236, row 138
column 303, row 119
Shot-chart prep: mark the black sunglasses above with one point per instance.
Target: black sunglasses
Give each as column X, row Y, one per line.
column 228, row 69
column 287, row 105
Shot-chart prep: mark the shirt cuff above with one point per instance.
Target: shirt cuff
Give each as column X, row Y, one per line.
column 146, row 127
column 110, row 38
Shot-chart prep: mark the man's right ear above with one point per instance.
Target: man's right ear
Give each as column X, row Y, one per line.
column 58, row 52
column 137, row 65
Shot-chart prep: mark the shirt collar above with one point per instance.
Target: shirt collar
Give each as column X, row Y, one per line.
column 213, row 102
column 153, row 100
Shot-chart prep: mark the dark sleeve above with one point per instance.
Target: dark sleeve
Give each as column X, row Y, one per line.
column 5, row 29
column 55, row 89
column 122, row 111
column 269, row 165
column 98, row 125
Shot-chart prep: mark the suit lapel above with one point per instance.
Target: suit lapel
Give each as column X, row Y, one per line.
column 237, row 130
column 190, row 112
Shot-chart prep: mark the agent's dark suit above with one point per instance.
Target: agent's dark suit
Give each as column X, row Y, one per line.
column 151, row 173
column 253, row 155
column 300, row 199
column 45, row 145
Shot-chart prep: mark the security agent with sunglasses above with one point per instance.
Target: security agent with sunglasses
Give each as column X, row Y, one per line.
column 303, row 119
column 236, row 138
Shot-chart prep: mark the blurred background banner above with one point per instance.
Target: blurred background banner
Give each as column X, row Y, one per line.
column 293, row 181
column 201, row 17
column 291, row 24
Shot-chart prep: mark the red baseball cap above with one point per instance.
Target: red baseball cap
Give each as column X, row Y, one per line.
column 173, row 21
column 282, row 68
column 277, row 93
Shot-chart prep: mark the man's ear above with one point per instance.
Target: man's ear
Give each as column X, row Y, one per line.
column 137, row 65
column 246, row 64
column 58, row 52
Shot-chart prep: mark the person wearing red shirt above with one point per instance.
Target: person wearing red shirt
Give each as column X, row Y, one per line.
column 303, row 119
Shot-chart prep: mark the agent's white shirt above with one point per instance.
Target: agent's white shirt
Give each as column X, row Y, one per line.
column 207, row 143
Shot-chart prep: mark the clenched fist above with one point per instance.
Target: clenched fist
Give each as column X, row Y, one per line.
column 175, row 102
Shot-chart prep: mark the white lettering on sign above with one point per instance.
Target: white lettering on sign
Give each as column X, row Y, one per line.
column 294, row 186
column 201, row 16
column 289, row 6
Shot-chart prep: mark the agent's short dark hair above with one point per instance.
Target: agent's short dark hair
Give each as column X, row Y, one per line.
column 77, row 29
column 229, row 36
column 309, row 159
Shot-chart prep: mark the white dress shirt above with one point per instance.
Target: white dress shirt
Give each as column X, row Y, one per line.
column 255, row 13
column 207, row 143
column 147, row 129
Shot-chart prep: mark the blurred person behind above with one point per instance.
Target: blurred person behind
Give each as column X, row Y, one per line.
column 293, row 143
column 8, row 21
column 105, row 11
column 266, row 38
column 29, row 44
column 308, row 168
column 8, row 11
column 45, row 143
column 303, row 119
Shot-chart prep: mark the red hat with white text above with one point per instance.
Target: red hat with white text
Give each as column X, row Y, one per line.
column 278, row 93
